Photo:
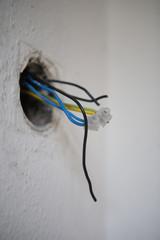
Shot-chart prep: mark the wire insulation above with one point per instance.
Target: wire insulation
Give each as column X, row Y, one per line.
column 37, row 89
column 68, row 106
column 58, row 99
column 75, row 85
column 70, row 116
column 85, row 133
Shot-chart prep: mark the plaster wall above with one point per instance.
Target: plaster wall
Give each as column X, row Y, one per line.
column 43, row 192
column 109, row 47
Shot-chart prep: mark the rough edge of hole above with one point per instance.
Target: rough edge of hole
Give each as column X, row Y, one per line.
column 51, row 72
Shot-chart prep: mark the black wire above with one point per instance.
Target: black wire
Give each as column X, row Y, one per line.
column 78, row 86
column 100, row 97
column 90, row 100
column 85, row 133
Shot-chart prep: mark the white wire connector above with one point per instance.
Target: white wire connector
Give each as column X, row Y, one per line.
column 102, row 116
column 105, row 116
column 93, row 122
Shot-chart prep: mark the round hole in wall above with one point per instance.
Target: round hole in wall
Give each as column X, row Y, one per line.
column 39, row 113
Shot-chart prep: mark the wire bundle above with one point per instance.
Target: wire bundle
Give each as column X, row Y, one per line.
column 32, row 84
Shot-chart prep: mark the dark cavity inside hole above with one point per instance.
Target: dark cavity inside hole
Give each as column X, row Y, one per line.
column 38, row 113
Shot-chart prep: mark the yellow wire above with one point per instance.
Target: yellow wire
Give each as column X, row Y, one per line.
column 68, row 107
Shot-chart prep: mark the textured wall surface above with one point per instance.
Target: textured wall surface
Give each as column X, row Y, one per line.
column 43, row 192
column 109, row 47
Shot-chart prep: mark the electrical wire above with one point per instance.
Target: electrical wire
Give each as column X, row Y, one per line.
column 95, row 100
column 78, row 98
column 90, row 100
column 75, row 85
column 100, row 97
column 71, row 107
column 70, row 116
column 85, row 132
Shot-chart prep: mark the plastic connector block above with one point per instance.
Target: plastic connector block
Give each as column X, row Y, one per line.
column 101, row 117
column 104, row 115
column 93, row 122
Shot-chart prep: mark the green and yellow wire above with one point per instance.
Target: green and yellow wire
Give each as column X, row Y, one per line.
column 71, row 107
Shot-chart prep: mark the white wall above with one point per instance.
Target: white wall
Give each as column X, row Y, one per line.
column 44, row 194
column 107, row 46
column 133, row 139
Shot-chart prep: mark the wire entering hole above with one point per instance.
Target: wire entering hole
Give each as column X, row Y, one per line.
column 37, row 112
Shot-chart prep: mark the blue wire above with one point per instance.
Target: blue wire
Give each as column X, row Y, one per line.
column 55, row 105
column 68, row 114
column 56, row 96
